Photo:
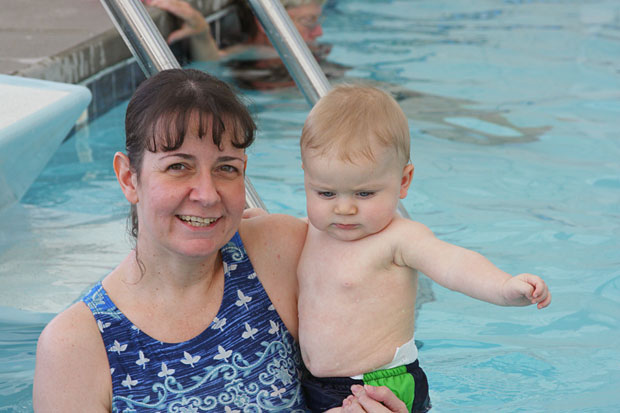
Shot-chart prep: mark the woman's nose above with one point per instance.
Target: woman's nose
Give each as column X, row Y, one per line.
column 204, row 190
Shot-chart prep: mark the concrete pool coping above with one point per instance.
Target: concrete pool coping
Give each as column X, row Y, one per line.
column 74, row 41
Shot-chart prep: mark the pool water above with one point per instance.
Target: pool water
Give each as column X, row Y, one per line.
column 514, row 110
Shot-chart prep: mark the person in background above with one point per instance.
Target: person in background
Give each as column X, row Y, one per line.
column 357, row 272
column 202, row 313
column 305, row 14
column 254, row 65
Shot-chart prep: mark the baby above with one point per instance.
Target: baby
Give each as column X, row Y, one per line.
column 358, row 270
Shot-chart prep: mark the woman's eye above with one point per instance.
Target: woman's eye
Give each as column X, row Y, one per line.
column 176, row 167
column 326, row 194
column 228, row 169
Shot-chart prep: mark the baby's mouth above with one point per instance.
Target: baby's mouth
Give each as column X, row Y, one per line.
column 346, row 226
column 197, row 221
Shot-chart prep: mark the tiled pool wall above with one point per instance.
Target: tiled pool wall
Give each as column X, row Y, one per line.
column 111, row 86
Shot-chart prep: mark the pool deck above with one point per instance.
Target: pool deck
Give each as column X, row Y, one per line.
column 67, row 40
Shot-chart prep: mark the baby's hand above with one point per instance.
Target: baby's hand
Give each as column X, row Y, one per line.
column 526, row 289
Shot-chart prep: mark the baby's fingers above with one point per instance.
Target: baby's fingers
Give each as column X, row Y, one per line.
column 538, row 291
column 544, row 300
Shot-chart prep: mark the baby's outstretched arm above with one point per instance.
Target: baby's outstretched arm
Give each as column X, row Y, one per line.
column 466, row 271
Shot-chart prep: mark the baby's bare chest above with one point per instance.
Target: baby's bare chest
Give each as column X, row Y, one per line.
column 328, row 264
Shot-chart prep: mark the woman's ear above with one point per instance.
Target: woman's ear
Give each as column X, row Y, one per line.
column 406, row 180
column 126, row 177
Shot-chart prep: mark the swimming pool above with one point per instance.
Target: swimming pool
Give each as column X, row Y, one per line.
column 514, row 109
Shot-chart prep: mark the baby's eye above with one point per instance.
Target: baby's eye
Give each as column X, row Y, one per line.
column 326, row 194
column 365, row 194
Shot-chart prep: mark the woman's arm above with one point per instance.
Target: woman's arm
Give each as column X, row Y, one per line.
column 72, row 373
column 274, row 243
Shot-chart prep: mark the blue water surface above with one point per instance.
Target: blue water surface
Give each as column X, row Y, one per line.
column 514, row 110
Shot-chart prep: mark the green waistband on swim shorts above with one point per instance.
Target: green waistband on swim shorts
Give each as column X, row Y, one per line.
column 396, row 379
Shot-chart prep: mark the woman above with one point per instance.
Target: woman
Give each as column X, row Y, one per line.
column 202, row 314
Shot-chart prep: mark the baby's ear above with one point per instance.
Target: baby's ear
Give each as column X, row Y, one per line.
column 406, row 180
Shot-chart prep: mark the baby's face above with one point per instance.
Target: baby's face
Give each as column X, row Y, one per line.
column 349, row 200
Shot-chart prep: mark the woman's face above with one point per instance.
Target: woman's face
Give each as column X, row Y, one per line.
column 190, row 200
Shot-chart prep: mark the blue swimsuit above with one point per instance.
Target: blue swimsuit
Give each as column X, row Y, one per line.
column 245, row 361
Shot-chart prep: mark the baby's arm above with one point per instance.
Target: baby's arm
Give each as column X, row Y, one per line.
column 466, row 271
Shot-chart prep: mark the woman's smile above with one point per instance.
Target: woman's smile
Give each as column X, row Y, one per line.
column 195, row 221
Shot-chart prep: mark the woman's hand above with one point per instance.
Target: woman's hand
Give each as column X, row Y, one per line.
column 253, row 212
column 372, row 399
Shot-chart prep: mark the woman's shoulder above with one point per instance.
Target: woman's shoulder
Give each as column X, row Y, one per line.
column 71, row 355
column 70, row 335
column 274, row 238
column 73, row 325
column 275, row 229
column 274, row 243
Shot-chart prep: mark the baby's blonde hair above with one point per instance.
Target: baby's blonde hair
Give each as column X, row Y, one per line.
column 351, row 120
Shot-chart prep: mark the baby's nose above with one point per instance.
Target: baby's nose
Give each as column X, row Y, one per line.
column 345, row 207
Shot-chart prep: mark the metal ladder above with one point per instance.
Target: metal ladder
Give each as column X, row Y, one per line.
column 153, row 54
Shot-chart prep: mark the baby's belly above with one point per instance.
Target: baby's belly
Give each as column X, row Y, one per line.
column 338, row 341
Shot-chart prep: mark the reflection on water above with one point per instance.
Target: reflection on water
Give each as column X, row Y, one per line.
column 456, row 120
column 449, row 118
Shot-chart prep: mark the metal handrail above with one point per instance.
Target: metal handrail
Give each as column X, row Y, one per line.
column 292, row 49
column 153, row 54
column 141, row 35
column 295, row 54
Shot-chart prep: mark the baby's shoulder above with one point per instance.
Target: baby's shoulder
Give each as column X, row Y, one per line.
column 405, row 227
